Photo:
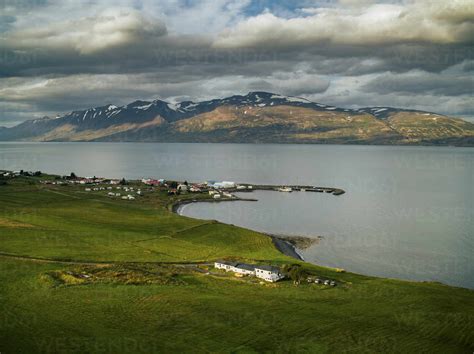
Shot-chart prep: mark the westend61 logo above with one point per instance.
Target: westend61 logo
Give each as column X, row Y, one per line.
column 9, row 57
column 213, row 56
column 98, row 345
column 439, row 56
column 22, row 4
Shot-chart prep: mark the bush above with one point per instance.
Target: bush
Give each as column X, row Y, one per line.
column 295, row 272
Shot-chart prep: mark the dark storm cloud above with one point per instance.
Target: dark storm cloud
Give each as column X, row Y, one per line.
column 421, row 82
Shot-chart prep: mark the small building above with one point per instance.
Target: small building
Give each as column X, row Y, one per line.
column 244, row 268
column 224, row 185
column 216, row 196
column 227, row 266
column 239, row 268
column 265, row 272
column 153, row 182
column 182, row 187
column 268, row 273
column 228, row 195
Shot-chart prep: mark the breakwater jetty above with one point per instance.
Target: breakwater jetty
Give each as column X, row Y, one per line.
column 302, row 188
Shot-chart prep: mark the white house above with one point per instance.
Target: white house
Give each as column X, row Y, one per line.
column 223, row 185
column 268, row 273
column 224, row 265
column 216, row 196
column 240, row 268
column 182, row 188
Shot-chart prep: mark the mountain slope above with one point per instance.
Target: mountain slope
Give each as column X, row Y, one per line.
column 258, row 117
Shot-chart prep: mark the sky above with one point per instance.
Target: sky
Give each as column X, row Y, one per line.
column 62, row 55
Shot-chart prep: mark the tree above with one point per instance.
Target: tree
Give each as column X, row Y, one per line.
column 295, row 272
column 72, row 175
column 123, row 181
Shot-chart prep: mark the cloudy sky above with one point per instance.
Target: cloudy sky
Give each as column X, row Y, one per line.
column 61, row 55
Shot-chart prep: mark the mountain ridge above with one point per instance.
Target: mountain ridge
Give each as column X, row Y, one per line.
column 258, row 117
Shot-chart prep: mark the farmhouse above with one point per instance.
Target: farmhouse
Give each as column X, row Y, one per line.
column 267, row 273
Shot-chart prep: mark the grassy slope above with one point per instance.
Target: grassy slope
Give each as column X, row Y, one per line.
column 417, row 127
column 68, row 223
column 290, row 124
column 207, row 313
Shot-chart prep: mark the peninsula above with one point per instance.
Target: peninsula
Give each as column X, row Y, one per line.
column 120, row 267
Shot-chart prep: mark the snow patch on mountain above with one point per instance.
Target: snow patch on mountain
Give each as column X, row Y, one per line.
column 144, row 107
column 297, row 99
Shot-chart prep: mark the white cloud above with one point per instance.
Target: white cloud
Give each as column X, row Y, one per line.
column 378, row 24
column 110, row 28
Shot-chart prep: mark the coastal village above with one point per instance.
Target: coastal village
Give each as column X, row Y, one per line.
column 131, row 190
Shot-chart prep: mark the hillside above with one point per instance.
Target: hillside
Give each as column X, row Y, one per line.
column 258, row 117
column 86, row 273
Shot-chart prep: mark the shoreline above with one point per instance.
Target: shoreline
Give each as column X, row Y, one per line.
column 281, row 242
column 286, row 247
column 175, row 207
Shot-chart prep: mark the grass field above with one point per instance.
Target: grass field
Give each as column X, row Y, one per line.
column 132, row 304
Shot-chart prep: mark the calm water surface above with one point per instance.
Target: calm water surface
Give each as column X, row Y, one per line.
column 408, row 211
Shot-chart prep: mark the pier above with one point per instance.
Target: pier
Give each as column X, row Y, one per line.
column 269, row 187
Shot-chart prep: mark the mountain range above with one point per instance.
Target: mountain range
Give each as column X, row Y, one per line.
column 258, row 117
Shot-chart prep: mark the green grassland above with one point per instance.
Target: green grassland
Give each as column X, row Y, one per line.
column 84, row 273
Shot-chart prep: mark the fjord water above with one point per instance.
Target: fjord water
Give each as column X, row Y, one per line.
column 408, row 212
